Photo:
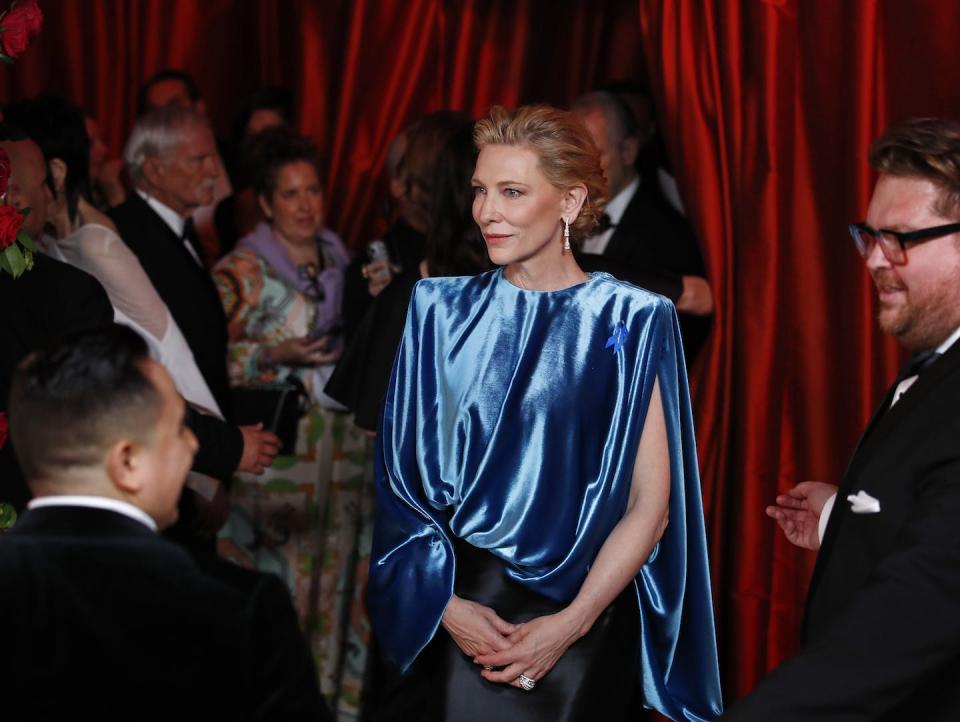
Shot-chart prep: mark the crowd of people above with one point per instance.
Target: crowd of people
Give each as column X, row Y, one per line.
column 448, row 474
column 278, row 338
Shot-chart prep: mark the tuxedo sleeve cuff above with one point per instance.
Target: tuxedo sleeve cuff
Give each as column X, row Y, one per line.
column 825, row 517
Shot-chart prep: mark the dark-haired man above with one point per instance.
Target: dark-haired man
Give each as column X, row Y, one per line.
column 106, row 617
column 882, row 623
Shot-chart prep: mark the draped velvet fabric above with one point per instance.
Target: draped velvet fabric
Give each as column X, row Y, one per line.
column 512, row 422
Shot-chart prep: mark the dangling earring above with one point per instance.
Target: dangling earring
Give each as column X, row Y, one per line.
column 566, row 236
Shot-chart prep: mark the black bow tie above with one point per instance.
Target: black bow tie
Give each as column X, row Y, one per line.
column 605, row 224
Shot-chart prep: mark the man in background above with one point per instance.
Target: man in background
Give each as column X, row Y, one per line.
column 640, row 229
column 175, row 88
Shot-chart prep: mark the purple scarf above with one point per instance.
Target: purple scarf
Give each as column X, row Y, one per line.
column 262, row 242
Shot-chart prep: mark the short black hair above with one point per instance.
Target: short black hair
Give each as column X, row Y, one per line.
column 272, row 98
column 193, row 90
column 271, row 149
column 60, row 130
column 70, row 403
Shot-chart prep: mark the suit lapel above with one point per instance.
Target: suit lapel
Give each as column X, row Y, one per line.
column 883, row 425
column 622, row 245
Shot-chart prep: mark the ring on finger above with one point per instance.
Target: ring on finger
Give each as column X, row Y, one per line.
column 527, row 683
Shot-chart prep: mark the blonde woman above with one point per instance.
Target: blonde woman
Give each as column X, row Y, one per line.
column 539, row 550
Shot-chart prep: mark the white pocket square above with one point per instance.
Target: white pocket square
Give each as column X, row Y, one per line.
column 863, row 503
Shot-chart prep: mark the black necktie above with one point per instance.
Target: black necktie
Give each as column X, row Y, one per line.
column 605, row 224
column 918, row 363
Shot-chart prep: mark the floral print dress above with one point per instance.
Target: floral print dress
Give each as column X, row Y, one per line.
column 309, row 517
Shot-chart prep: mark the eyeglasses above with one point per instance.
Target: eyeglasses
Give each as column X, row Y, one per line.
column 893, row 243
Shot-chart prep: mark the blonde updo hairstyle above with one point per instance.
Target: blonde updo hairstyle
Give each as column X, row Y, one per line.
column 565, row 152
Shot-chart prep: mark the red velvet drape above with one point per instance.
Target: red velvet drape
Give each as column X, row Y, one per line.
column 771, row 107
column 768, row 108
column 361, row 70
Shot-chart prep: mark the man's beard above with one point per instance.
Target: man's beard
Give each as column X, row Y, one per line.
column 924, row 317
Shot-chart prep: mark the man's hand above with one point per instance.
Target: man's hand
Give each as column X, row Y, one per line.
column 475, row 628
column 798, row 512
column 696, row 298
column 259, row 448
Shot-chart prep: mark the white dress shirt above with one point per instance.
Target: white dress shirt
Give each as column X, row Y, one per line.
column 897, row 395
column 614, row 210
column 95, row 502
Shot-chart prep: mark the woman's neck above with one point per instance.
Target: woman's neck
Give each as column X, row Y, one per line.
column 301, row 252
column 546, row 274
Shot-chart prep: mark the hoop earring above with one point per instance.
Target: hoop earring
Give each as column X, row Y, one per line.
column 566, row 236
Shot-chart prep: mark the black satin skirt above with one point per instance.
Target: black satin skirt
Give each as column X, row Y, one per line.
column 594, row 680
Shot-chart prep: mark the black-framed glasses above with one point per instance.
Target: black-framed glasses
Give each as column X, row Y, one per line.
column 894, row 243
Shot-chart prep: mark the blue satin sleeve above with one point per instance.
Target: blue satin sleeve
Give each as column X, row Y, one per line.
column 412, row 571
column 678, row 653
column 512, row 421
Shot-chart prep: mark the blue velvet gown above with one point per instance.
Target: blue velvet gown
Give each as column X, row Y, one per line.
column 511, row 424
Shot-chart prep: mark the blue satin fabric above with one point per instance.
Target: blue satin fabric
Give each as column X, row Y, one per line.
column 512, row 421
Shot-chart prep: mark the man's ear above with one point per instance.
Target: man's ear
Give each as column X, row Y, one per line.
column 629, row 150
column 58, row 174
column 200, row 107
column 572, row 202
column 124, row 466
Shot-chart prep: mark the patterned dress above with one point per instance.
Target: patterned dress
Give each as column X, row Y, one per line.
column 309, row 517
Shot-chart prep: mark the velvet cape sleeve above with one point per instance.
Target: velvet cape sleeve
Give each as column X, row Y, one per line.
column 419, row 509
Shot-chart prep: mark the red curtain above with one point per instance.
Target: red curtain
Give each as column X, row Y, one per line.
column 771, row 107
column 361, row 70
column 768, row 109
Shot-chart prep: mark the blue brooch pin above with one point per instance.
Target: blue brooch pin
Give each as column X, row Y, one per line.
column 618, row 337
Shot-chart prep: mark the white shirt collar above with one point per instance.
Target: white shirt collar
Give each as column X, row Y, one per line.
column 617, row 205
column 95, row 502
column 951, row 339
column 169, row 216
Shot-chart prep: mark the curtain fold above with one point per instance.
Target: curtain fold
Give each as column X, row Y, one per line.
column 771, row 106
column 360, row 70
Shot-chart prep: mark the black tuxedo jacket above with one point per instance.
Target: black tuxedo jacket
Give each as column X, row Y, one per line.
column 106, row 620
column 184, row 285
column 653, row 238
column 194, row 303
column 45, row 304
column 882, row 624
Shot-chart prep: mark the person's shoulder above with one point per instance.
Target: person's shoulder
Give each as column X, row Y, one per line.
column 446, row 287
column 641, row 297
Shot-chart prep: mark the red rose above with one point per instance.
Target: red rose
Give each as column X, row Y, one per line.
column 4, row 428
column 20, row 26
column 10, row 221
column 4, row 171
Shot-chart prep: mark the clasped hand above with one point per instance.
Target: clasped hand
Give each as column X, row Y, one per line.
column 531, row 648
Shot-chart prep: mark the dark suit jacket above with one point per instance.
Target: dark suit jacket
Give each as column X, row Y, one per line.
column 194, row 303
column 45, row 304
column 654, row 238
column 882, row 625
column 105, row 619
column 184, row 285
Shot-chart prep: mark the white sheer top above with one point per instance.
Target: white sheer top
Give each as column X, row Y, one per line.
column 99, row 251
